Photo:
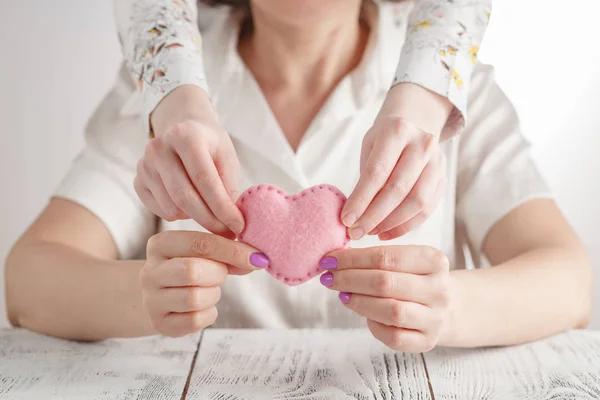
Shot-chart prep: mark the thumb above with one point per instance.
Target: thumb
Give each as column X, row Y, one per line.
column 173, row 244
column 231, row 270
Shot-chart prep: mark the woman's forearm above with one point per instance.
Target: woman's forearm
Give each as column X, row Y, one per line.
column 534, row 295
column 59, row 291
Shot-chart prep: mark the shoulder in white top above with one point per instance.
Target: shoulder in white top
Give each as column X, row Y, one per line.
column 490, row 170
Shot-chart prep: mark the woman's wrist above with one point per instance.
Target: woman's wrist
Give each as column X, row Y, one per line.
column 185, row 103
column 427, row 110
column 450, row 332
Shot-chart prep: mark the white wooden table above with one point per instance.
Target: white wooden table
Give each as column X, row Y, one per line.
column 295, row 364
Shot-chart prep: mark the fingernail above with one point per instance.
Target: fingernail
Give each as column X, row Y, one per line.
column 348, row 219
column 327, row 279
column 375, row 231
column 384, row 236
column 356, row 233
column 235, row 227
column 259, row 260
column 328, row 262
column 345, row 297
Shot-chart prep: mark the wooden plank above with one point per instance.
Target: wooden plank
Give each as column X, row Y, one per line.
column 566, row 366
column 303, row 364
column 34, row 366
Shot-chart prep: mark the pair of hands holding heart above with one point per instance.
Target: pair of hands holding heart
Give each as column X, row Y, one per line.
column 401, row 290
column 190, row 171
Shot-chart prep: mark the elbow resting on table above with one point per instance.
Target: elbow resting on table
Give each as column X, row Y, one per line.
column 582, row 294
column 32, row 291
column 587, row 304
column 26, row 305
column 13, row 281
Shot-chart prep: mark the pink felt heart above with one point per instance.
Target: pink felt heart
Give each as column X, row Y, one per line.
column 295, row 232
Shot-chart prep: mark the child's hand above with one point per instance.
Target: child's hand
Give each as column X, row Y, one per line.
column 403, row 291
column 403, row 169
column 190, row 169
column 182, row 276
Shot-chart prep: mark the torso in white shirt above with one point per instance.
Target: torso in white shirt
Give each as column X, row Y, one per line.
column 488, row 166
column 328, row 153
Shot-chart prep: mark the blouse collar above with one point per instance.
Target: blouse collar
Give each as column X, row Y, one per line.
column 237, row 97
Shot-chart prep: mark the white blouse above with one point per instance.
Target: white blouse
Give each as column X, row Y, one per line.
column 490, row 170
column 161, row 43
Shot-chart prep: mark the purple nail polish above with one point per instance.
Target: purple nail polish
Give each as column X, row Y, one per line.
column 345, row 297
column 328, row 262
column 327, row 279
column 259, row 260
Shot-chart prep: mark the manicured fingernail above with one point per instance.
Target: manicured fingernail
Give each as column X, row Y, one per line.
column 356, row 233
column 345, row 297
column 348, row 219
column 259, row 260
column 327, row 279
column 235, row 227
column 384, row 236
column 328, row 262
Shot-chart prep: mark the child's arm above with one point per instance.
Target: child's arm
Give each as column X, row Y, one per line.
column 442, row 42
column 162, row 46
column 401, row 183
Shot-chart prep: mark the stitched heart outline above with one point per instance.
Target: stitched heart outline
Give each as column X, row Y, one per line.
column 293, row 231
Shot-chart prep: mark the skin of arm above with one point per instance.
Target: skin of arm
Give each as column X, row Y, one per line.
column 431, row 96
column 165, row 55
column 63, row 279
column 540, row 283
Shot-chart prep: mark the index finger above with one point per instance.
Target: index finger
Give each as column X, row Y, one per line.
column 419, row 260
column 206, row 179
column 374, row 174
column 174, row 244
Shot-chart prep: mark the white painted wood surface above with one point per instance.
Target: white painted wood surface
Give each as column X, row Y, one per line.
column 303, row 364
column 37, row 367
column 295, row 364
column 566, row 366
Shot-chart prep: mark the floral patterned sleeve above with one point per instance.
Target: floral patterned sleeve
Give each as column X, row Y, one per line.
column 161, row 44
column 441, row 47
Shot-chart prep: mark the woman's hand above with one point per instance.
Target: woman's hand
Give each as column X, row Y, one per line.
column 403, row 291
column 403, row 169
column 190, row 168
column 182, row 276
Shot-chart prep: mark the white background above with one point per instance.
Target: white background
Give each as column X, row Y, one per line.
column 58, row 58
